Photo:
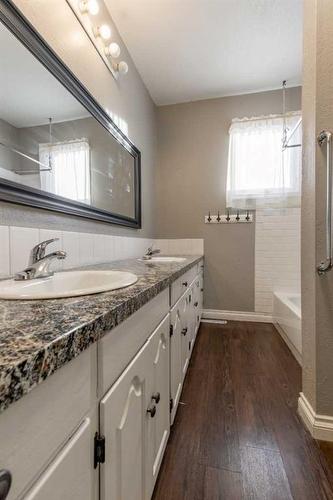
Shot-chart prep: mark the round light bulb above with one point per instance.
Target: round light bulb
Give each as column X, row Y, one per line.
column 90, row 7
column 104, row 31
column 122, row 68
column 114, row 50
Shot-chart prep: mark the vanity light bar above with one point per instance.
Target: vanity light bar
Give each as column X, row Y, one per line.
column 229, row 218
column 89, row 7
column 99, row 34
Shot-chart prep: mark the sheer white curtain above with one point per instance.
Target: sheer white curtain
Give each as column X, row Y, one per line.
column 260, row 175
column 70, row 174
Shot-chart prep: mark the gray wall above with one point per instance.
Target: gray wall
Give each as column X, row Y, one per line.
column 317, row 292
column 191, row 178
column 127, row 100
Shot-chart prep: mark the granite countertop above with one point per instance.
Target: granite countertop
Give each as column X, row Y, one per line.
column 38, row 337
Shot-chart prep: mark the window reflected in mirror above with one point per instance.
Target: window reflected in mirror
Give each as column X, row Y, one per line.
column 50, row 142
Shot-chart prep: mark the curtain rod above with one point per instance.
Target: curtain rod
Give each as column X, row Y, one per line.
column 265, row 117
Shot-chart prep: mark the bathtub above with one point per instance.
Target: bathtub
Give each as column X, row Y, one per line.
column 287, row 319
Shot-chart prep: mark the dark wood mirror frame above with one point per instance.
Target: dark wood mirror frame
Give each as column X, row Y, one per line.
column 13, row 192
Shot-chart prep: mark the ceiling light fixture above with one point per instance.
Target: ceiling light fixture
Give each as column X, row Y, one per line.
column 89, row 7
column 104, row 31
column 99, row 34
column 112, row 50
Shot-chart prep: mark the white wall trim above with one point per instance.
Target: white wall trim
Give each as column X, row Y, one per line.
column 320, row 426
column 219, row 315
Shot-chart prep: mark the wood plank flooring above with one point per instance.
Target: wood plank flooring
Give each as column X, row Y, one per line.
column 237, row 434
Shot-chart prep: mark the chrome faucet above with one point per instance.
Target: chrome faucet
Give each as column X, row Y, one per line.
column 39, row 263
column 150, row 252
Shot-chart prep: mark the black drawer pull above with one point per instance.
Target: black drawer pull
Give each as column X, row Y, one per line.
column 152, row 411
column 184, row 331
column 156, row 397
column 196, row 304
column 185, row 283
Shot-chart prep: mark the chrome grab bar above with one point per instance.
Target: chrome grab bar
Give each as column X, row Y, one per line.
column 326, row 136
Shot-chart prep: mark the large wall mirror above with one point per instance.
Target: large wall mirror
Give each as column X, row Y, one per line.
column 59, row 150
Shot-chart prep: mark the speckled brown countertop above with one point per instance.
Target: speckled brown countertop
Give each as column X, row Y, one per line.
column 38, row 337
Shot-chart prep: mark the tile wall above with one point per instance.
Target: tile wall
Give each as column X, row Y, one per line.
column 82, row 248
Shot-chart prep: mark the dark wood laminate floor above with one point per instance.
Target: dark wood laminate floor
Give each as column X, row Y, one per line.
column 237, row 434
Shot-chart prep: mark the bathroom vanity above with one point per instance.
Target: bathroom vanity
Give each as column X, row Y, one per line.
column 89, row 386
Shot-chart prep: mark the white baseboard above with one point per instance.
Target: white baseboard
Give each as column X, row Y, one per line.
column 218, row 315
column 320, row 426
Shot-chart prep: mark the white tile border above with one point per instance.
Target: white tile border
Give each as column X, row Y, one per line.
column 82, row 248
column 320, row 426
column 4, row 251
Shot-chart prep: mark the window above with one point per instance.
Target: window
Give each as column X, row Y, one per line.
column 70, row 169
column 260, row 174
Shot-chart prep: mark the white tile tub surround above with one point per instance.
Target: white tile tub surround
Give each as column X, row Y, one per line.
column 81, row 248
column 277, row 255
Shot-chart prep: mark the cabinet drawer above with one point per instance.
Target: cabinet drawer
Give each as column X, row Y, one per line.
column 121, row 344
column 34, row 428
column 181, row 284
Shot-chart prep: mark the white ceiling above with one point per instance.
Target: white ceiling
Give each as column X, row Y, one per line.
column 29, row 94
column 196, row 49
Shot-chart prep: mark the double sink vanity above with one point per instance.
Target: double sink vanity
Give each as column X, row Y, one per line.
column 92, row 360
column 91, row 383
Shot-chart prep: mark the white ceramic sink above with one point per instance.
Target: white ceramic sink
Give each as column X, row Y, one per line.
column 66, row 284
column 166, row 259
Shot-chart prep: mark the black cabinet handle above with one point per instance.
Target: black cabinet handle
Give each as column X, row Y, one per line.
column 152, row 411
column 195, row 304
column 184, row 331
column 185, row 283
column 201, row 289
column 5, row 483
column 156, row 397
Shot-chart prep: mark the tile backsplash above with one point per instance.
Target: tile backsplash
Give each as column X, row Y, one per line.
column 82, row 248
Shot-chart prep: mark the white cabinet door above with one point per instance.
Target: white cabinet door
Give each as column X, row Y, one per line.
column 185, row 333
column 123, row 422
column 159, row 425
column 197, row 303
column 191, row 312
column 175, row 358
column 201, row 293
column 70, row 474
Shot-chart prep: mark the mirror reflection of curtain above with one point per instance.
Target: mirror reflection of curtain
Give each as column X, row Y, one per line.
column 70, row 173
